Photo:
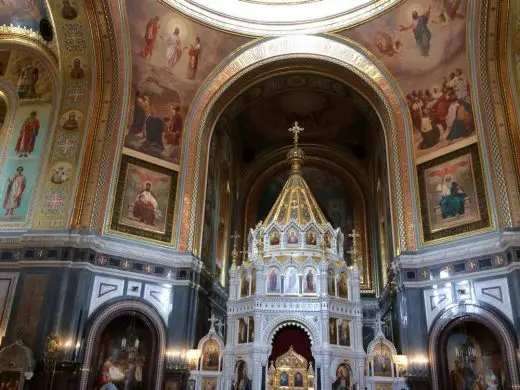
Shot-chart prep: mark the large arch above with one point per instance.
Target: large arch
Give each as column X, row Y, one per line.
column 473, row 312
column 103, row 316
column 327, row 54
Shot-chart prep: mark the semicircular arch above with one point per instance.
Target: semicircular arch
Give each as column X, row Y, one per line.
column 108, row 312
column 275, row 325
column 349, row 62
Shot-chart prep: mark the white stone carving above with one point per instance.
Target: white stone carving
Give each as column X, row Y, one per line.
column 496, row 293
column 134, row 288
column 435, row 300
column 160, row 298
column 105, row 289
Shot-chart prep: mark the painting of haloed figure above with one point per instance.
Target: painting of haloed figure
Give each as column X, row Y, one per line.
column 451, row 193
column 171, row 56
column 124, row 355
column 146, row 198
column 382, row 360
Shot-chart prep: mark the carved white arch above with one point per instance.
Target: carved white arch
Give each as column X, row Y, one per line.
column 276, row 324
column 211, row 335
column 380, row 339
column 109, row 312
column 487, row 318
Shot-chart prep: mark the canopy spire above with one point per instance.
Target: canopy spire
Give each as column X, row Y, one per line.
column 296, row 155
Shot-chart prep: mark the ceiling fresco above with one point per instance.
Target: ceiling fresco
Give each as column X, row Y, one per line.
column 423, row 43
column 22, row 13
column 171, row 56
column 330, row 112
column 279, row 17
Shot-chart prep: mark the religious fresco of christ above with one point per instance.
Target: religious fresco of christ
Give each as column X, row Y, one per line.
column 175, row 49
column 150, row 37
column 421, row 31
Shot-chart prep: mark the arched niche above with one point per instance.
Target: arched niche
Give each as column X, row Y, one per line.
column 103, row 326
column 342, row 58
column 463, row 320
column 28, row 87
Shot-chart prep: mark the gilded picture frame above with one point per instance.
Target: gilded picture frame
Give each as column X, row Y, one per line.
column 145, row 200
column 452, row 195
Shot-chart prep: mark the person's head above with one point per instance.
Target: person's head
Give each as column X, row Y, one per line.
column 435, row 90
column 448, row 178
column 148, row 186
column 72, row 116
column 33, row 114
column 66, row 3
column 77, row 62
column 458, row 71
column 452, row 75
column 176, row 31
column 197, row 39
column 19, row 169
column 157, row 18
column 415, row 14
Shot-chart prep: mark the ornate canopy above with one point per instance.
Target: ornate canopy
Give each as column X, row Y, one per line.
column 296, row 221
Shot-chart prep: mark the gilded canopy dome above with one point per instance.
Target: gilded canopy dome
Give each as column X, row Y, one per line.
column 295, row 221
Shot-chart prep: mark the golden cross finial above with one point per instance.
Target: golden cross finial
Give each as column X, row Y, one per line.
column 235, row 236
column 296, row 130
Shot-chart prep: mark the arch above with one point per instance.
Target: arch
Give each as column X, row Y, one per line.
column 278, row 323
column 472, row 312
column 257, row 60
column 107, row 313
column 29, row 51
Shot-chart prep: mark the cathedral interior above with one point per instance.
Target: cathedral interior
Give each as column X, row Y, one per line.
column 260, row 194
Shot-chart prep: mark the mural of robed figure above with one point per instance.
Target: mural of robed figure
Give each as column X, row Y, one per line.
column 145, row 206
column 28, row 133
column 421, row 31
column 14, row 192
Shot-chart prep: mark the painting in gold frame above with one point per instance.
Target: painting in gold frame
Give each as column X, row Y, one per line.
column 145, row 199
column 452, row 194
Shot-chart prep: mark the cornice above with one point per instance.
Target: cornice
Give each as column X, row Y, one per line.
column 487, row 244
column 108, row 246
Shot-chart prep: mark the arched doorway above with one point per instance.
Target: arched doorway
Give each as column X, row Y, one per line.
column 473, row 348
column 125, row 343
column 124, row 353
column 291, row 363
column 472, row 358
column 349, row 64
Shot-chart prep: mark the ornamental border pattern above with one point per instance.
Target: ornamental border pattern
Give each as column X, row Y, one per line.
column 76, row 41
